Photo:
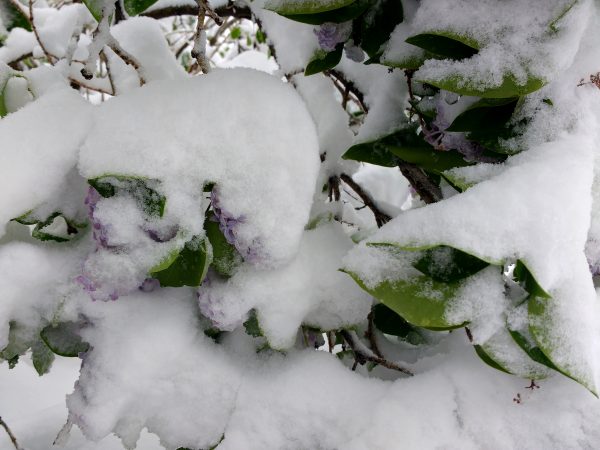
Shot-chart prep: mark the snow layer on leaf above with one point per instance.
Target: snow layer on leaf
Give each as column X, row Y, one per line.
column 33, row 165
column 149, row 356
column 143, row 38
column 35, row 282
column 309, row 290
column 292, row 54
column 244, row 130
column 522, row 39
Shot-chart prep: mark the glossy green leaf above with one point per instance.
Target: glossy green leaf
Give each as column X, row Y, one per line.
column 42, row 357
column 135, row 7
column 344, row 14
column 445, row 44
column 226, row 259
column 524, row 276
column 64, row 340
column 377, row 24
column 150, row 200
column 420, row 300
column 294, row 7
column 488, row 114
column 448, row 264
column 188, row 267
column 486, row 358
column 40, row 230
column 508, row 88
column 434, row 161
column 389, row 322
column 13, row 17
column 550, row 342
column 323, row 60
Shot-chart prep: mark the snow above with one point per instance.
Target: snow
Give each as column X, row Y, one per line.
column 210, row 120
column 32, row 165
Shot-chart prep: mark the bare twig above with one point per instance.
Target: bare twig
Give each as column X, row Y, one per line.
column 49, row 57
column 427, row 189
column 84, row 85
column 199, row 49
column 370, row 335
column 12, row 437
column 362, row 354
column 192, row 10
column 380, row 217
column 350, row 86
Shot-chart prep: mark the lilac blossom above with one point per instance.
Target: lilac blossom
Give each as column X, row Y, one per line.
column 331, row 34
column 149, row 285
column 229, row 226
column 100, row 232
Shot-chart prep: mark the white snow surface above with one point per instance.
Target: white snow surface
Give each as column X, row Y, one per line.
column 221, row 129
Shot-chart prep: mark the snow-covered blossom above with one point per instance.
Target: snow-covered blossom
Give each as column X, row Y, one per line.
column 331, row 34
column 354, row 52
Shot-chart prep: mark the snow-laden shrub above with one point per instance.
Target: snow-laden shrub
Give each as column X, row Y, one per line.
column 202, row 235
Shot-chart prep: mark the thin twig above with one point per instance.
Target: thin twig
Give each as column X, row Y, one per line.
column 199, row 49
column 380, row 217
column 127, row 58
column 49, row 57
column 12, row 437
column 350, row 86
column 362, row 354
column 370, row 335
column 192, row 10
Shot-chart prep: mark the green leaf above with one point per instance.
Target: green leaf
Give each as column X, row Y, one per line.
column 261, row 37
column 389, row 322
column 508, row 88
column 64, row 340
column 523, row 275
column 13, row 17
column 252, row 326
column 226, row 258
column 188, row 267
column 488, row 114
column 448, row 264
column 294, row 7
column 40, row 232
column 322, row 60
column 19, row 341
column 42, row 357
column 445, row 44
column 339, row 15
column 135, row 7
column 486, row 358
column 530, row 347
column 236, row 33
column 377, row 24
column 150, row 200
column 420, row 300
column 554, row 24
column 95, row 8
column 405, row 144
column 552, row 342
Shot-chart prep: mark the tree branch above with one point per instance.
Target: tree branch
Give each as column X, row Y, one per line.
column 362, row 354
column 427, row 189
column 380, row 217
column 192, row 10
column 12, row 437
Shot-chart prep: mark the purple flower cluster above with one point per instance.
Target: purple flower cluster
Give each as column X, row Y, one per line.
column 99, row 230
column 227, row 222
column 331, row 34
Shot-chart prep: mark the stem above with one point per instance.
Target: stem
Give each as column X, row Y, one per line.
column 427, row 189
column 380, row 217
column 12, row 437
column 362, row 354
